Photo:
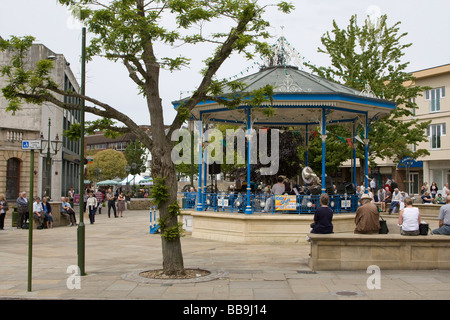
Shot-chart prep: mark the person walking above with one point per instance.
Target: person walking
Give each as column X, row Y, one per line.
column 91, row 205
column 3, row 209
column 111, row 203
column 121, row 204
column 22, row 208
column 409, row 219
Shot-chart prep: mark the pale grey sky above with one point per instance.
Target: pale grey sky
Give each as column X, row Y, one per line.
column 426, row 23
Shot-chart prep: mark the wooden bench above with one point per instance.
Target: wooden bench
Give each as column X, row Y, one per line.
column 348, row 251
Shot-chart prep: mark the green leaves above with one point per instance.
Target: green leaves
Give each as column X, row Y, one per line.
column 372, row 54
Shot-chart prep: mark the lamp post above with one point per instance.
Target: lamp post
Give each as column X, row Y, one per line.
column 127, row 169
column 52, row 149
column 81, row 227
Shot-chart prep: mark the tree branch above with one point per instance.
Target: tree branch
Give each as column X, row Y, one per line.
column 221, row 55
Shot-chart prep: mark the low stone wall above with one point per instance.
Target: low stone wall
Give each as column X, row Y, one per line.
column 258, row 228
column 58, row 220
column 139, row 204
column 431, row 211
column 387, row 251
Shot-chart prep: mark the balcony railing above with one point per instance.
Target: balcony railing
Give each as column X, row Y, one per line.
column 271, row 204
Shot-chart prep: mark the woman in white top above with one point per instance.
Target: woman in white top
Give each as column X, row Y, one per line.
column 409, row 219
column 91, row 205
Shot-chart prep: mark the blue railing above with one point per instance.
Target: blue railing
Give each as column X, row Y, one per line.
column 236, row 203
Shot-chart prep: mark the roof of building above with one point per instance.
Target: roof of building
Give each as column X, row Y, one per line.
column 433, row 71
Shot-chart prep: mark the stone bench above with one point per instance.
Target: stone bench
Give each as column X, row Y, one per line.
column 348, row 251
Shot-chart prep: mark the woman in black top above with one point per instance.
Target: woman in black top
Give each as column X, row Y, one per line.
column 433, row 190
column 323, row 216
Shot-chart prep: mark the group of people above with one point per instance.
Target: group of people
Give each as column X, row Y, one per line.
column 367, row 217
column 42, row 209
column 94, row 202
column 431, row 194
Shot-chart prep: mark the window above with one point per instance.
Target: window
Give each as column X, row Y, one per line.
column 434, row 96
column 435, row 132
column 12, row 178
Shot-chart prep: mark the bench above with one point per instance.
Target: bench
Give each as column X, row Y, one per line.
column 348, row 251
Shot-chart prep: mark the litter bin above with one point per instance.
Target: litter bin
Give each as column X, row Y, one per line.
column 14, row 216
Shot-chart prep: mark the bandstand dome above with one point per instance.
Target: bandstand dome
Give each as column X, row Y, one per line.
column 298, row 99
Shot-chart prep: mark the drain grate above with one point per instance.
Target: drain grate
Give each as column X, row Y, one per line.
column 306, row 272
column 347, row 293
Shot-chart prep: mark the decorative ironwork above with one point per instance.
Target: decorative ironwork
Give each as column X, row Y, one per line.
column 282, row 54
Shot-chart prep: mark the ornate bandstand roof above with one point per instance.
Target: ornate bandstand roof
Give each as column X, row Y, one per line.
column 299, row 97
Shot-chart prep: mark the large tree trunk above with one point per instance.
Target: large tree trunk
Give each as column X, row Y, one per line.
column 163, row 167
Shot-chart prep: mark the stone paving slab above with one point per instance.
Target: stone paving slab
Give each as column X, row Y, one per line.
column 118, row 247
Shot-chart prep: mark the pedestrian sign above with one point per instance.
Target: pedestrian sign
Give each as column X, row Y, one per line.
column 31, row 144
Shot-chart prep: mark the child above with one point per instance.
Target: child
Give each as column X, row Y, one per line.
column 439, row 199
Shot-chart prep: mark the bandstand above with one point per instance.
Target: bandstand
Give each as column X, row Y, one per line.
column 300, row 100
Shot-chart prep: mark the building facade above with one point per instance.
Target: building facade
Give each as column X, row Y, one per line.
column 410, row 174
column 34, row 122
column 434, row 106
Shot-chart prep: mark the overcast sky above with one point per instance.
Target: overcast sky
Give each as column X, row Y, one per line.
column 426, row 23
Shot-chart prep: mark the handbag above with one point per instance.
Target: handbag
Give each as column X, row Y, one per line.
column 383, row 226
column 423, row 229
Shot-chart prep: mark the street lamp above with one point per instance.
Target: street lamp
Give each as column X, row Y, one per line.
column 52, row 146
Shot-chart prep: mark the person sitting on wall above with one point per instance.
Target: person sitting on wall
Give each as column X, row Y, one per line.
column 444, row 219
column 367, row 217
column 439, row 199
column 323, row 216
column 426, row 198
column 409, row 219
column 395, row 202
column 67, row 211
column 38, row 215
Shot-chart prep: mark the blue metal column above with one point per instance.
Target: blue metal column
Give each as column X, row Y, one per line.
column 307, row 147
column 354, row 154
column 205, row 156
column 366, row 156
column 248, row 208
column 200, row 160
column 324, row 137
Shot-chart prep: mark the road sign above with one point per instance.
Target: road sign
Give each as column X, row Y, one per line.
column 31, row 144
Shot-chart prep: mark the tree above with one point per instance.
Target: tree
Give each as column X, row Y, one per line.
column 135, row 155
column 369, row 58
column 112, row 164
column 129, row 31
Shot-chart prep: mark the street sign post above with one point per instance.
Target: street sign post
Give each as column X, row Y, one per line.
column 31, row 145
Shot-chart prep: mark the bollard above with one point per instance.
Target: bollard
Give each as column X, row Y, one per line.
column 154, row 227
column 14, row 216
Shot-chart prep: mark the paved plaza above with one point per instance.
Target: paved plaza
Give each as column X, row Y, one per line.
column 117, row 249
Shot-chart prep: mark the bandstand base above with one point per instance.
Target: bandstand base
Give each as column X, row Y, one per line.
column 260, row 228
